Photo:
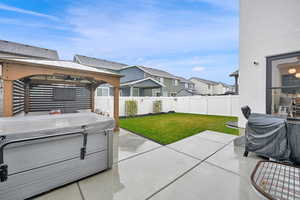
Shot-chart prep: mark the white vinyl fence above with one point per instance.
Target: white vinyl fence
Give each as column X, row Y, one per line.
column 210, row 105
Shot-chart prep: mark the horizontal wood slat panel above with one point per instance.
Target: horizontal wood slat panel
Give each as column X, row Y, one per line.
column 42, row 99
column 18, row 96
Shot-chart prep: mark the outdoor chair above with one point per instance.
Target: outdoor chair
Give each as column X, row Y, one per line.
column 246, row 111
column 285, row 106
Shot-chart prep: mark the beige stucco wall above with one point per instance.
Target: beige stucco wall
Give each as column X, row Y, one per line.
column 267, row 27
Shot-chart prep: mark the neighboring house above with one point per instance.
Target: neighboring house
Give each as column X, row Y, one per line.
column 162, row 82
column 104, row 89
column 270, row 57
column 185, row 83
column 207, row 87
column 13, row 49
column 136, row 80
column 187, row 92
column 99, row 63
column 187, row 87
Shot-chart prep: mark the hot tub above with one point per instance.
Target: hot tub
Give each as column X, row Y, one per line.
column 40, row 153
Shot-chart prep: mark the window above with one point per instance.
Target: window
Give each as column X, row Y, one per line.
column 186, row 85
column 173, row 94
column 136, row 92
column 283, row 85
column 157, row 94
column 175, row 81
column 102, row 91
column 161, row 79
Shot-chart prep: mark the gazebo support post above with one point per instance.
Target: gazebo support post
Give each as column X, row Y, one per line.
column 26, row 96
column 116, row 108
column 7, row 98
column 92, row 91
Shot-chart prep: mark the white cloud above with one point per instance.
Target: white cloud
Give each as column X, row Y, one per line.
column 28, row 12
column 129, row 32
column 198, row 69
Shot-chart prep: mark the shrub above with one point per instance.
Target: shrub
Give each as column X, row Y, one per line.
column 157, row 106
column 131, row 108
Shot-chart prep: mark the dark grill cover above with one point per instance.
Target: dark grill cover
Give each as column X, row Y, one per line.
column 267, row 136
column 294, row 141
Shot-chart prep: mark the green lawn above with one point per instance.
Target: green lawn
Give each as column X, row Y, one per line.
column 169, row 128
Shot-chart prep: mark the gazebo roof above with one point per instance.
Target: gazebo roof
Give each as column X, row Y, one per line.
column 58, row 64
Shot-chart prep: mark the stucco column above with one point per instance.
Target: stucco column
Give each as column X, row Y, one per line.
column 116, row 108
column 7, row 98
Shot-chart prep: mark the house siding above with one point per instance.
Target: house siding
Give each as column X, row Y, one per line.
column 131, row 74
column 202, row 88
column 210, row 89
column 169, row 83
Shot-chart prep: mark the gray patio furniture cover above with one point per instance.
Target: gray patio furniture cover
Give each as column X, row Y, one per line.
column 267, row 136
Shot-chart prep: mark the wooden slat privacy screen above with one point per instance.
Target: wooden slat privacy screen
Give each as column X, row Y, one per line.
column 18, row 96
column 41, row 99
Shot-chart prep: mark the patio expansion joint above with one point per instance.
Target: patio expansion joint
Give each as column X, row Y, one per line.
column 80, row 191
column 173, row 181
column 204, row 159
column 138, row 154
column 187, row 171
column 177, row 151
column 218, row 166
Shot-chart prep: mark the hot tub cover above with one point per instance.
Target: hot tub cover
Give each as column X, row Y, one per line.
column 29, row 126
column 267, row 136
column 40, row 153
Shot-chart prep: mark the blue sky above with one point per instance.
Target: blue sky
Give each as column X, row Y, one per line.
column 185, row 37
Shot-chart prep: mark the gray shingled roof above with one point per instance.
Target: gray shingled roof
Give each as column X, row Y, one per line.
column 194, row 92
column 105, row 64
column 27, row 50
column 157, row 72
column 58, row 63
column 211, row 82
column 98, row 63
column 183, row 80
column 205, row 81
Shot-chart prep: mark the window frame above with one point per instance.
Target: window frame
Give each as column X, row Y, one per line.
column 161, row 79
column 103, row 88
column 176, row 82
column 269, row 88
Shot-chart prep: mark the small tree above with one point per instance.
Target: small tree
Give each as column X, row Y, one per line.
column 157, row 106
column 131, row 108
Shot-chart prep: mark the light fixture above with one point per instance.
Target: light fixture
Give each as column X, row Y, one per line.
column 297, row 75
column 292, row 71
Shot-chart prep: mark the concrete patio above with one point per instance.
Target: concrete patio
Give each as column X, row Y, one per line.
column 203, row 166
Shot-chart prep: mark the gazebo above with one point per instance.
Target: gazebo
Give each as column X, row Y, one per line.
column 33, row 85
